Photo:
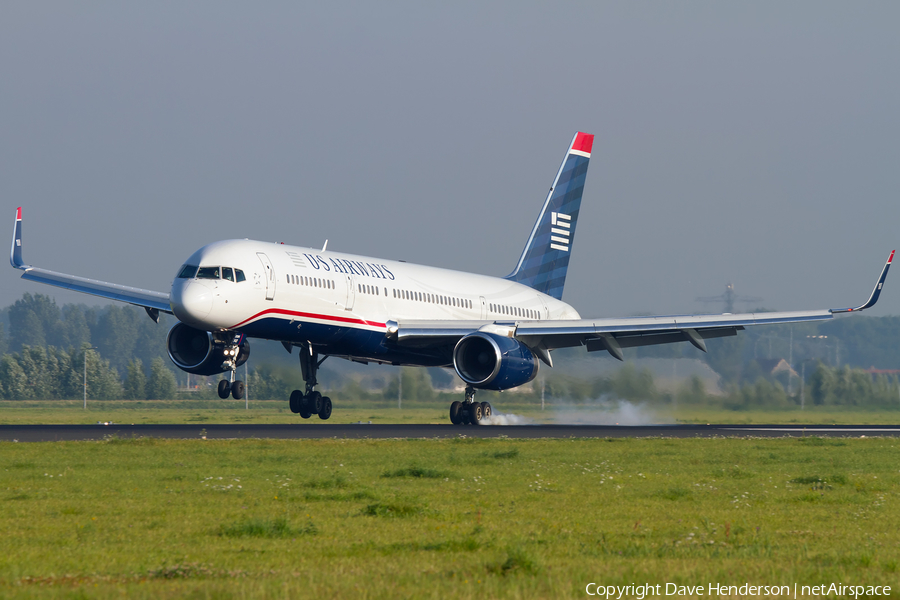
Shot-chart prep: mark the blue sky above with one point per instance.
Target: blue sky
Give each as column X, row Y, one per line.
column 754, row 143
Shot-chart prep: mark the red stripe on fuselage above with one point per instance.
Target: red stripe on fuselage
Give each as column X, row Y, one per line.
column 294, row 313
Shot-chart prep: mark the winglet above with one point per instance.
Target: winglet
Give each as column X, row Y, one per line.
column 875, row 293
column 15, row 252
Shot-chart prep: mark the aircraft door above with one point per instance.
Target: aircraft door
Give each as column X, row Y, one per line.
column 483, row 307
column 270, row 275
column 351, row 291
column 546, row 311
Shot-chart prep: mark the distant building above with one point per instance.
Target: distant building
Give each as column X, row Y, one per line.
column 775, row 366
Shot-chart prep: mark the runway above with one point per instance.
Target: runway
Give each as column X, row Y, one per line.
column 300, row 431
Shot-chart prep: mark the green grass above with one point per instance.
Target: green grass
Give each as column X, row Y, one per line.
column 455, row 518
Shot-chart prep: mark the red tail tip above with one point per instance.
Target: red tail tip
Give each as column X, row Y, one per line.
column 891, row 256
column 583, row 142
column 19, row 214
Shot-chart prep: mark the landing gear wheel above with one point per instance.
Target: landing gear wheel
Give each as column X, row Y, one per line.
column 465, row 414
column 486, row 410
column 237, row 390
column 475, row 413
column 304, row 412
column 224, row 388
column 296, row 401
column 325, row 412
column 314, row 402
column 455, row 413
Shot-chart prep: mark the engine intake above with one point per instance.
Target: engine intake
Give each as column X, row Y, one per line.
column 493, row 362
column 199, row 352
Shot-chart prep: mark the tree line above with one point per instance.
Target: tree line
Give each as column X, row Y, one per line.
column 826, row 386
column 47, row 349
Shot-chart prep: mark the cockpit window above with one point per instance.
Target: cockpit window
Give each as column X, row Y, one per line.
column 208, row 273
column 187, row 272
column 239, row 275
column 227, row 273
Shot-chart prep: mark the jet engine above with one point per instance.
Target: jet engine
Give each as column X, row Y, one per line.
column 202, row 352
column 493, row 362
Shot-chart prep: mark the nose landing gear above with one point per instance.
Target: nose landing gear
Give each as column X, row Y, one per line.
column 230, row 386
column 312, row 402
column 469, row 412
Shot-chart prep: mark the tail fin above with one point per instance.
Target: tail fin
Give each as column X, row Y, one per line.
column 545, row 260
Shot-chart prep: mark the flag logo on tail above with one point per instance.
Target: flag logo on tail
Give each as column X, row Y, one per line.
column 560, row 232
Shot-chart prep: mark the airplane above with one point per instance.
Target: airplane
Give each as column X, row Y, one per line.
column 493, row 331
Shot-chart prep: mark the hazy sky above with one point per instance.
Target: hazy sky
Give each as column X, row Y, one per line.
column 748, row 142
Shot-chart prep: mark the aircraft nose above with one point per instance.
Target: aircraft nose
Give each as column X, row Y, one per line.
column 191, row 302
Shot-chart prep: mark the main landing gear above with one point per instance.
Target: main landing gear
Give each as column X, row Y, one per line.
column 312, row 402
column 230, row 386
column 469, row 412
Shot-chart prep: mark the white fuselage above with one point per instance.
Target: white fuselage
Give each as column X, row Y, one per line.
column 291, row 293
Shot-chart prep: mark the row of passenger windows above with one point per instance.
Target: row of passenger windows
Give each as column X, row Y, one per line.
column 515, row 311
column 191, row 271
column 237, row 275
column 364, row 288
column 432, row 298
column 318, row 282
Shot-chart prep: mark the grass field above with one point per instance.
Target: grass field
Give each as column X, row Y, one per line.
column 270, row 411
column 459, row 518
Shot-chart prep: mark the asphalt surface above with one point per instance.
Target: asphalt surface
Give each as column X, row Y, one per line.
column 45, row 433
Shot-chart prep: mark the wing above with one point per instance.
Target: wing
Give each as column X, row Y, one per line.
column 152, row 302
column 613, row 335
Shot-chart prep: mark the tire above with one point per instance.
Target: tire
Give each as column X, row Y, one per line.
column 224, row 389
column 237, row 390
column 455, row 414
column 486, row 411
column 314, row 402
column 296, row 401
column 304, row 412
column 475, row 413
column 465, row 415
column 326, row 408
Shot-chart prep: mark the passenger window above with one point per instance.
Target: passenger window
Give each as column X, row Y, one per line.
column 239, row 276
column 208, row 273
column 187, row 272
column 228, row 273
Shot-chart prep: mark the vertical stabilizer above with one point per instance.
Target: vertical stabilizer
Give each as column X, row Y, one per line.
column 545, row 260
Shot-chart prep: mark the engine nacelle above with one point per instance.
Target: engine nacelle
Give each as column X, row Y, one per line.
column 493, row 362
column 198, row 352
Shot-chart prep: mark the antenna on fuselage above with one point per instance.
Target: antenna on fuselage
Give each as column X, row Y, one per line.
column 325, row 246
